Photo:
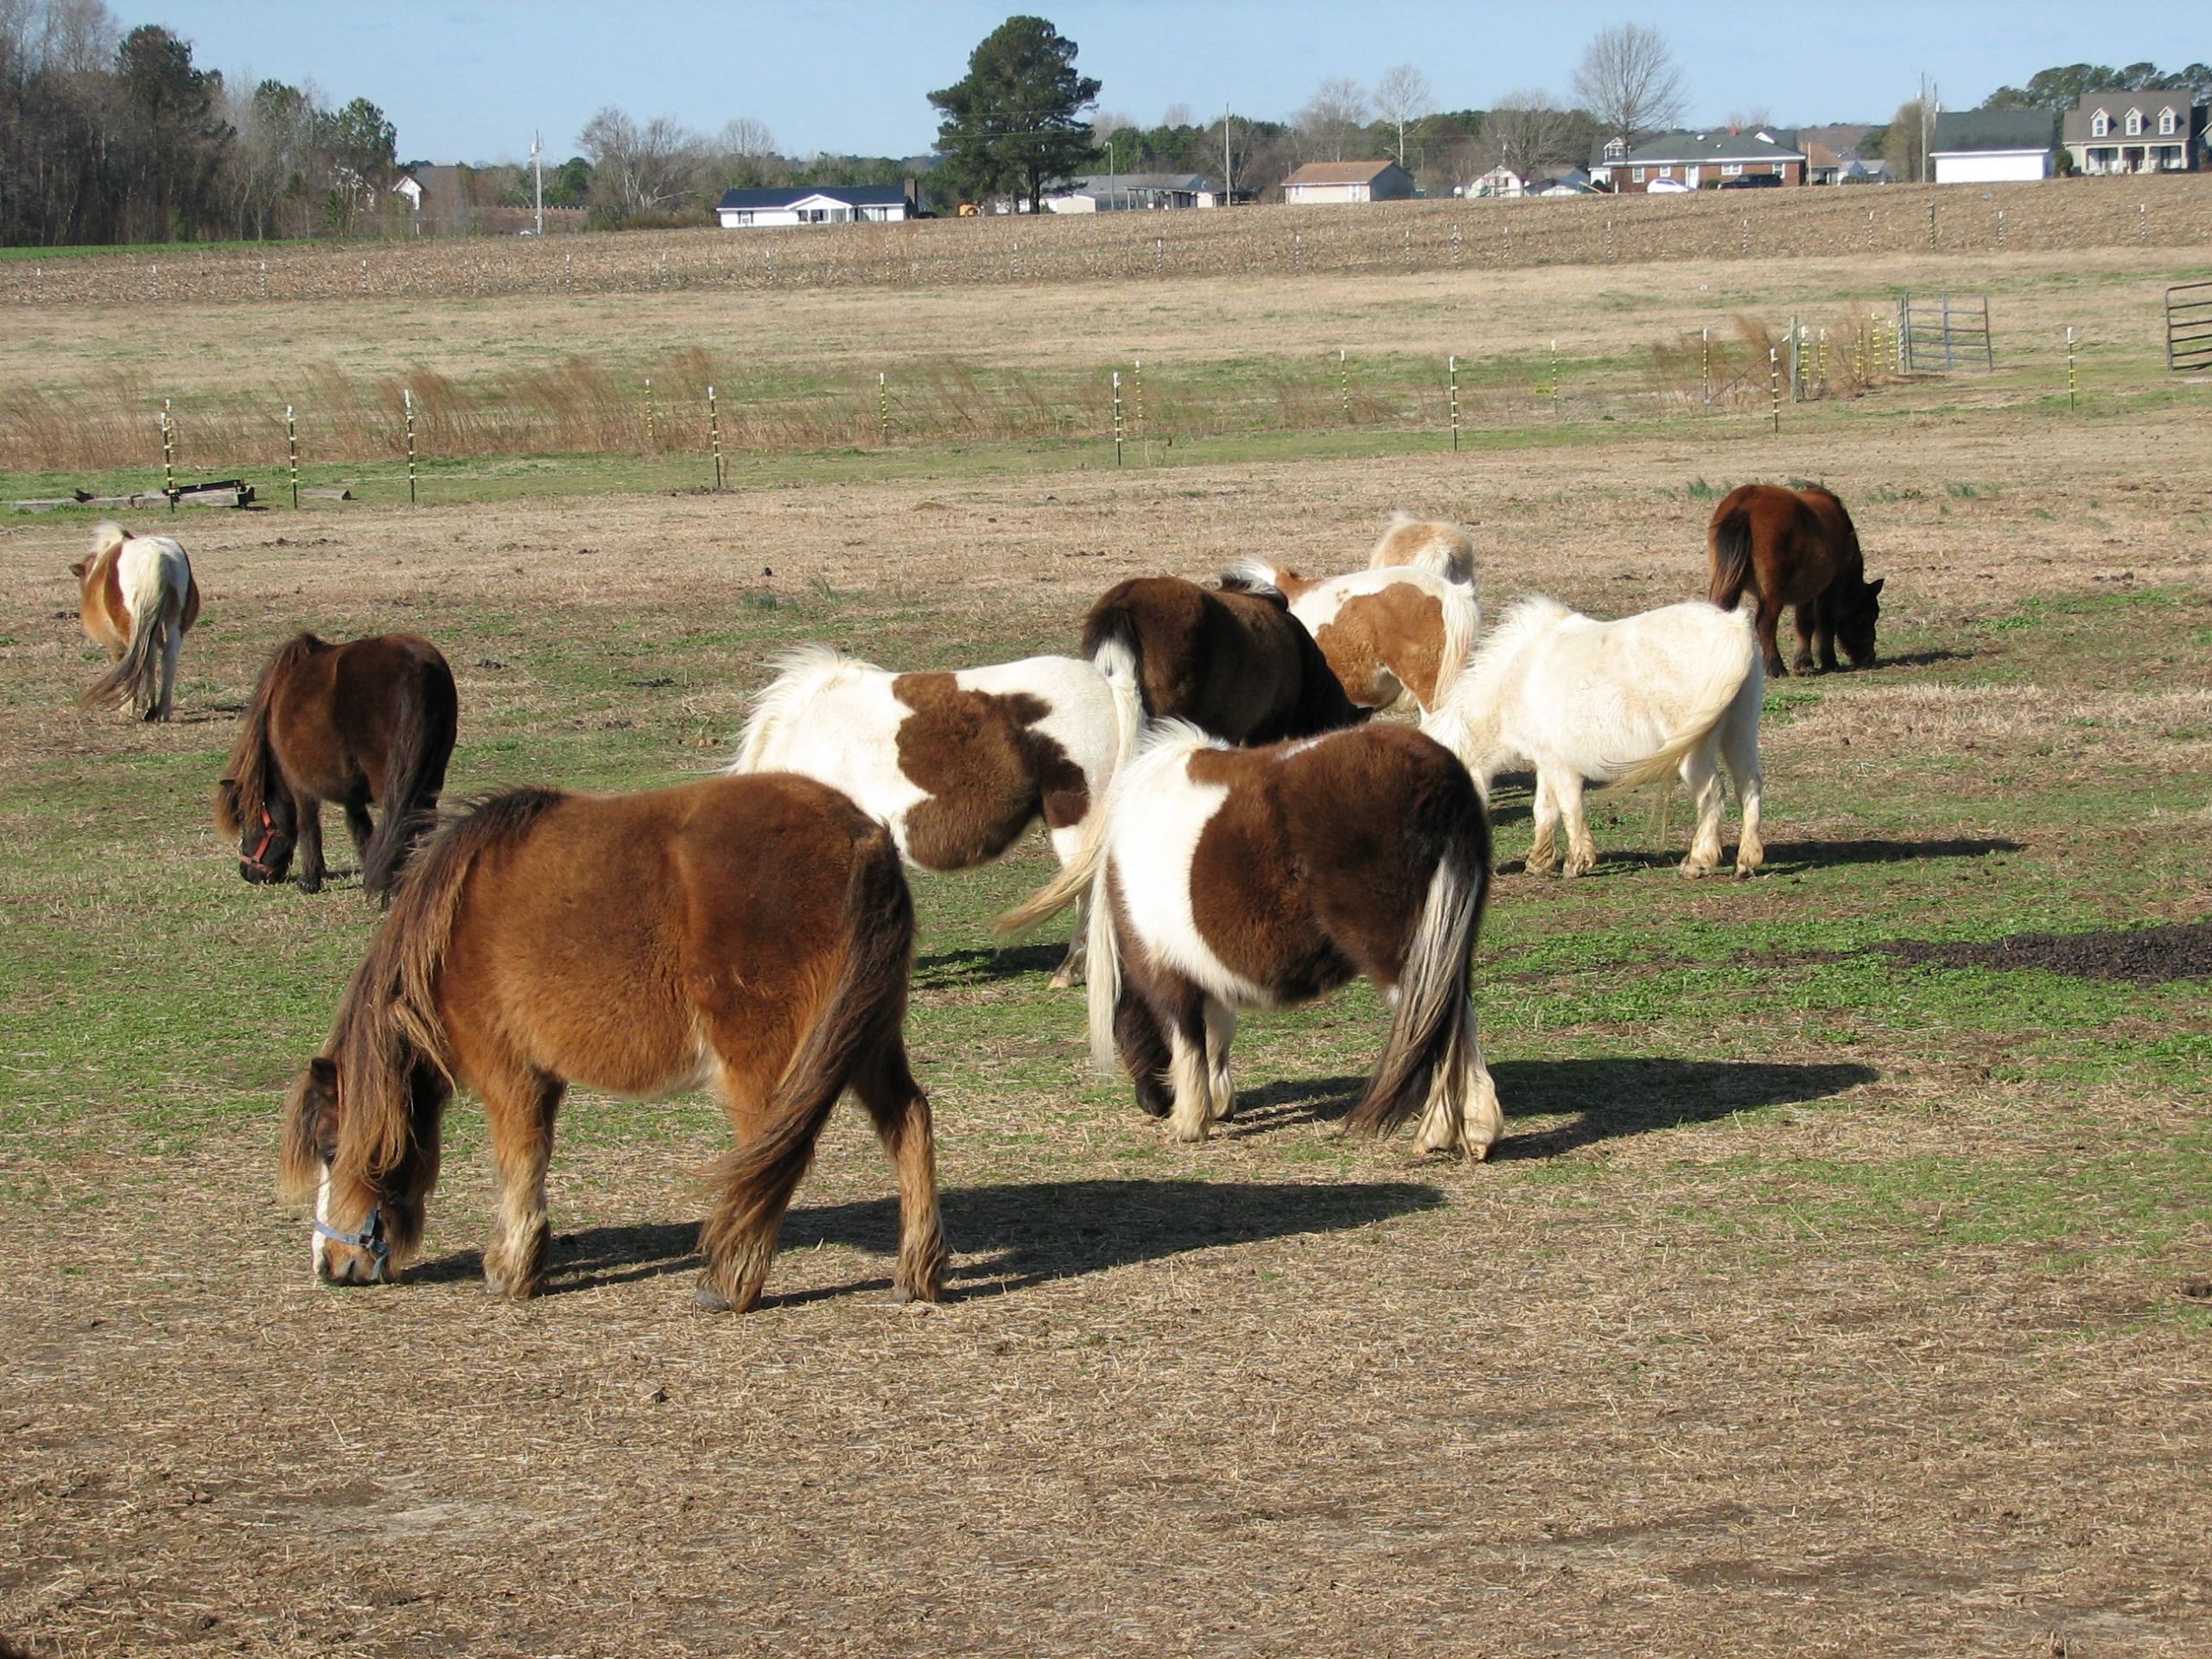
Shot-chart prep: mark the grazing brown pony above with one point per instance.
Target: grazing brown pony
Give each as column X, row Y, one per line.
column 1795, row 547
column 1257, row 878
column 372, row 722
column 137, row 599
column 1232, row 660
column 753, row 933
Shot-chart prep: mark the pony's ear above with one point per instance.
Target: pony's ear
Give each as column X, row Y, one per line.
column 1875, row 586
column 78, row 568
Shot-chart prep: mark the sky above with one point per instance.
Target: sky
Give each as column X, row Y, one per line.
column 470, row 79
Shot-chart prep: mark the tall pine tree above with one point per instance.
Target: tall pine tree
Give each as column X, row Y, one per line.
column 1014, row 122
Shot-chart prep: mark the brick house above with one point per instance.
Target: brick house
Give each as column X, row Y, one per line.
column 1701, row 160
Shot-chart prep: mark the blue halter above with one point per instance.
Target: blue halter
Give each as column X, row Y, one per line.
column 370, row 1238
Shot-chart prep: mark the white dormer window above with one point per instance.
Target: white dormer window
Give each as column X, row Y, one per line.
column 2135, row 123
column 1615, row 149
column 2099, row 124
column 2166, row 122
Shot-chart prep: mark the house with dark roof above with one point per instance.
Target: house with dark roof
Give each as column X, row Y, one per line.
column 1992, row 146
column 824, row 204
column 2135, row 132
column 1348, row 182
column 1691, row 161
column 1122, row 192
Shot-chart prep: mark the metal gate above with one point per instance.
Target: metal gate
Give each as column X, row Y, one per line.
column 1938, row 334
column 2189, row 326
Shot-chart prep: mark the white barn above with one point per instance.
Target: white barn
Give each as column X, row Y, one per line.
column 1348, row 182
column 1992, row 146
column 1123, row 193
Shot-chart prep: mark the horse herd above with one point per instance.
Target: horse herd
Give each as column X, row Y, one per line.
column 1233, row 830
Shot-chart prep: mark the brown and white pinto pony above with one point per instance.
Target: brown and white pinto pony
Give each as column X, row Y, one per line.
column 137, row 599
column 1795, row 547
column 1231, row 660
column 1388, row 635
column 753, row 933
column 1431, row 545
column 370, row 722
column 1257, row 878
column 958, row 765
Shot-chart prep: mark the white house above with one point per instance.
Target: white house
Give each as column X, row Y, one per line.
column 828, row 204
column 1121, row 193
column 1992, row 146
column 1348, row 182
column 1501, row 183
column 2135, row 132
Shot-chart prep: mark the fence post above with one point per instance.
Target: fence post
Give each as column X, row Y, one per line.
column 1796, row 362
column 1554, row 379
column 1451, row 379
column 714, row 437
column 649, row 412
column 1743, row 239
column 1774, row 386
column 1343, row 385
column 407, row 397
column 1609, row 241
column 1455, row 247
column 1117, row 417
column 1409, row 249
column 1869, row 230
column 169, row 456
column 1137, row 386
column 2142, row 221
column 1160, row 255
column 882, row 408
column 1297, row 253
column 2000, row 227
column 292, row 452
column 1933, row 236
column 1705, row 365
column 2073, row 383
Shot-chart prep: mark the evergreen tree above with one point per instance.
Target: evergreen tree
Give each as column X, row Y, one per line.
column 1013, row 122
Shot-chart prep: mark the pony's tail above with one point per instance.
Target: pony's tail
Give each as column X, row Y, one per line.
column 1117, row 661
column 388, row 1031
column 1720, row 692
column 414, row 764
column 1102, row 966
column 1729, row 557
column 1432, row 1034
column 861, row 1019
column 156, row 611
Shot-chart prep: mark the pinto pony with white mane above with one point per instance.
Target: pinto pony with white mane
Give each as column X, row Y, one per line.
column 1387, row 634
column 1430, row 544
column 137, row 599
column 1629, row 703
column 1257, row 878
column 957, row 764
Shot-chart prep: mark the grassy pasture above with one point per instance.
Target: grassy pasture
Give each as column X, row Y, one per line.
column 1827, row 1296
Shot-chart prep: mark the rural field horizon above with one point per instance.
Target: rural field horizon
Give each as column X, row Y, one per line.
column 1840, row 1284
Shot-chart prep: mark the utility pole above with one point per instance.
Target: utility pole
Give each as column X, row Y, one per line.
column 1228, row 178
column 538, row 168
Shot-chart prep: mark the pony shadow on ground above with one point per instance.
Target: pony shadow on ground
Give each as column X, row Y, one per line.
column 1602, row 1099
column 1781, row 854
column 1007, row 1237
column 973, row 967
column 1925, row 659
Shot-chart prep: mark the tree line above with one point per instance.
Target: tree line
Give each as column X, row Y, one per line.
column 106, row 136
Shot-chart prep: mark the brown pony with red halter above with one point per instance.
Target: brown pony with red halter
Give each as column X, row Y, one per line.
column 367, row 723
column 753, row 933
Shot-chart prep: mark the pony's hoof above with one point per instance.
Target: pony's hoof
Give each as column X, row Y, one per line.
column 1189, row 1133
column 1694, row 872
column 1063, row 980
column 708, row 1299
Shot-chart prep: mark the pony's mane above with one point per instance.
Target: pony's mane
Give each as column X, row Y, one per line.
column 108, row 534
column 799, row 675
column 245, row 789
column 1452, row 721
column 1250, row 576
column 388, row 1025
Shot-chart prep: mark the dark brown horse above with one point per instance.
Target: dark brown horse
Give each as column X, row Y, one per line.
column 754, row 933
column 1256, row 878
column 1233, row 660
column 1795, row 547
column 371, row 723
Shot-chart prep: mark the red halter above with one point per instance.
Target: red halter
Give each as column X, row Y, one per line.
column 268, row 835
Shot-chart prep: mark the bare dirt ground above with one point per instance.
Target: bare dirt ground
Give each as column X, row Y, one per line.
column 1792, row 1319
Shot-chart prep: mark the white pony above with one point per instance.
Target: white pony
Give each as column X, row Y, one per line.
column 1614, row 702
column 1389, row 633
column 136, row 598
column 1430, row 544
column 957, row 765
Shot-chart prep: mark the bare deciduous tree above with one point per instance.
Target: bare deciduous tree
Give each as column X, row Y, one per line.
column 639, row 169
column 1904, row 147
column 1751, row 120
column 1330, row 123
column 1176, row 115
column 744, row 135
column 1527, row 131
column 1403, row 97
column 1628, row 79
